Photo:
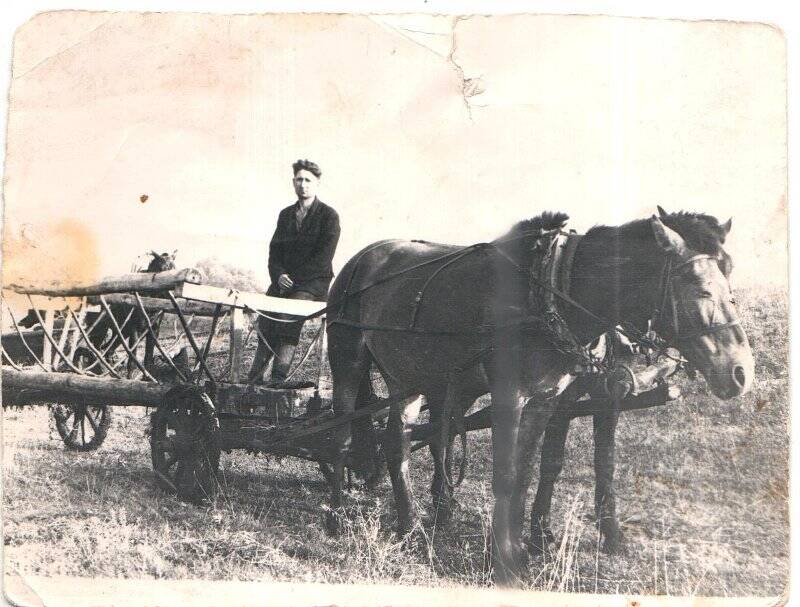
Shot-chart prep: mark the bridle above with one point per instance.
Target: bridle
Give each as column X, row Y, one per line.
column 665, row 314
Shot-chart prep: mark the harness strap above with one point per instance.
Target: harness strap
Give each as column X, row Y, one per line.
column 568, row 258
column 551, row 269
column 434, row 274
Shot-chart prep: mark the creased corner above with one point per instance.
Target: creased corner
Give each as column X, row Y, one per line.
column 17, row 592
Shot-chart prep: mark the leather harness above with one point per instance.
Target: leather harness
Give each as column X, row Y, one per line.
column 551, row 277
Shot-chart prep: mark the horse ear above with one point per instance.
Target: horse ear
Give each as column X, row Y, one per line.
column 727, row 226
column 154, row 254
column 661, row 212
column 667, row 238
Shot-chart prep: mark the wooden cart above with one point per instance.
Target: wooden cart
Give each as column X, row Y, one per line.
column 200, row 409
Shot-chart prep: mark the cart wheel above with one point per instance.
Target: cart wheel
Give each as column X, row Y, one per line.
column 184, row 451
column 82, row 427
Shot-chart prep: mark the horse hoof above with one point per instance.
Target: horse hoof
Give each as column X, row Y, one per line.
column 541, row 538
column 521, row 556
column 443, row 512
column 412, row 540
column 333, row 523
column 507, row 572
column 613, row 544
column 507, row 577
column 407, row 529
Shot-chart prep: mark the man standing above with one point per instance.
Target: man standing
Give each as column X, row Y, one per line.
column 300, row 267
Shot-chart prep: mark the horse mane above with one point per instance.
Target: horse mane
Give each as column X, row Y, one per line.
column 702, row 233
column 544, row 222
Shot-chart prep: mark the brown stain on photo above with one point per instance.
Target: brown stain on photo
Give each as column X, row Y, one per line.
column 63, row 251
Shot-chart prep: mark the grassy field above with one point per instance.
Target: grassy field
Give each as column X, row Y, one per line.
column 702, row 491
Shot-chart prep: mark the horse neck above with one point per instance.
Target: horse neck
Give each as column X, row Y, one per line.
column 616, row 274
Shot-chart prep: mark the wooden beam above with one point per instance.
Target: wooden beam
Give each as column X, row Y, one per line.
column 24, row 387
column 47, row 350
column 482, row 419
column 236, row 344
column 254, row 301
column 155, row 304
column 140, row 281
column 28, row 387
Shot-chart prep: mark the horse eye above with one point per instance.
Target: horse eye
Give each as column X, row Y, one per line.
column 705, row 294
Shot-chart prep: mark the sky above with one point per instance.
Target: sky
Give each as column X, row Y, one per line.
column 425, row 127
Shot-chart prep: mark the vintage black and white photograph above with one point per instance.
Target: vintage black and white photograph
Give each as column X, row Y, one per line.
column 395, row 309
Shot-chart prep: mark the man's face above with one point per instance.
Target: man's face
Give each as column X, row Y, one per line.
column 305, row 184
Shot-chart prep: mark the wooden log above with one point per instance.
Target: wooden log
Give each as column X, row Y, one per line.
column 144, row 282
column 155, row 304
column 27, row 387
column 253, row 301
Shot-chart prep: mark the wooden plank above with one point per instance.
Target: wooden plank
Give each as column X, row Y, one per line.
column 157, row 304
column 237, row 344
column 254, row 301
column 139, row 281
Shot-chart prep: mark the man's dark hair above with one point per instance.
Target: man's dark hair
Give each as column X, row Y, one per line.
column 307, row 165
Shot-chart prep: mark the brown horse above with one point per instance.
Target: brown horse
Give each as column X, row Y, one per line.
column 455, row 323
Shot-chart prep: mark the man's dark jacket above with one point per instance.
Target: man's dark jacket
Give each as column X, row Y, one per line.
column 305, row 255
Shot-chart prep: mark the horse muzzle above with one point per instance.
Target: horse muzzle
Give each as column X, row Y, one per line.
column 729, row 373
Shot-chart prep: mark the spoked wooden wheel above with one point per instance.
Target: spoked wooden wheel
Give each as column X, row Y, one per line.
column 184, row 453
column 82, row 427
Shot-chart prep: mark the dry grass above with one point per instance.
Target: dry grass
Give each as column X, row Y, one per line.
column 702, row 494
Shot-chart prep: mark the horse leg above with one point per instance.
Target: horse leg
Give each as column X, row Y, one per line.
column 552, row 462
column 535, row 417
column 605, row 425
column 398, row 453
column 365, row 457
column 349, row 361
column 506, row 412
column 441, row 453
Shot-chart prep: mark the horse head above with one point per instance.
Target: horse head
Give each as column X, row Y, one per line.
column 161, row 262
column 696, row 310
